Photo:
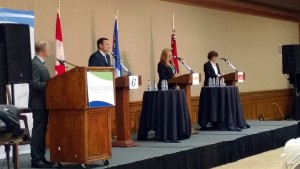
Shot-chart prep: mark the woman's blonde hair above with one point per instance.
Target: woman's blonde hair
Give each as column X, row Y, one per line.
column 165, row 55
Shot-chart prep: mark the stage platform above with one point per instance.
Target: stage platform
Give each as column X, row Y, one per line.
column 204, row 150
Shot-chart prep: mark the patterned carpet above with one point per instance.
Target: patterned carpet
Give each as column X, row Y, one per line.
column 267, row 160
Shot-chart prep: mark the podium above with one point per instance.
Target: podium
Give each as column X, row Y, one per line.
column 122, row 113
column 78, row 133
column 232, row 78
column 184, row 82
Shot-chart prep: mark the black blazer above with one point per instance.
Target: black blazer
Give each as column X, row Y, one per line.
column 97, row 59
column 165, row 73
column 37, row 88
column 209, row 72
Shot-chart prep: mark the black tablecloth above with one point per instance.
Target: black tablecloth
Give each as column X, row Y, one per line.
column 166, row 113
column 221, row 105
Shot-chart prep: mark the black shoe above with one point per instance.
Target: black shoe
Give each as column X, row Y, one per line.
column 40, row 164
column 215, row 125
column 47, row 162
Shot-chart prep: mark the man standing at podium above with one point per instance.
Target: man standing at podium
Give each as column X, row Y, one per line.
column 100, row 57
column 37, row 103
column 211, row 68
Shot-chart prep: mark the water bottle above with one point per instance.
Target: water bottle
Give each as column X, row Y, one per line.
column 163, row 85
column 155, row 86
column 222, row 82
column 210, row 82
column 166, row 83
column 217, row 82
column 213, row 82
column 149, row 85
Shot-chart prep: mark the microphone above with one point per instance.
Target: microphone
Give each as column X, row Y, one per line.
column 179, row 59
column 113, row 54
column 182, row 62
column 223, row 59
column 120, row 61
column 65, row 62
column 229, row 64
column 60, row 61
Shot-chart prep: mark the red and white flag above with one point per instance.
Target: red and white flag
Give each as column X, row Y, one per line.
column 174, row 48
column 59, row 48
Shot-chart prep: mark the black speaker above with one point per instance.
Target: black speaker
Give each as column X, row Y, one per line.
column 291, row 59
column 2, row 76
column 17, row 52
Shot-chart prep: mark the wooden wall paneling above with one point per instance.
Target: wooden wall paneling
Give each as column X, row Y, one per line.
column 265, row 103
column 195, row 108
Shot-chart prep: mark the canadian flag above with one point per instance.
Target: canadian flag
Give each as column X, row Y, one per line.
column 59, row 48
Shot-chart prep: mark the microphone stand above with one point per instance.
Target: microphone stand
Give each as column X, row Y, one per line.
column 120, row 62
column 70, row 63
column 63, row 62
column 230, row 65
column 186, row 66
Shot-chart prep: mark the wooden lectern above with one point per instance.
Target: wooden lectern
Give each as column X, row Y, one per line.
column 122, row 113
column 232, row 78
column 78, row 133
column 185, row 82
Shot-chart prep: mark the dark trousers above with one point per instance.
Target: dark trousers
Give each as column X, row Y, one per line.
column 38, row 138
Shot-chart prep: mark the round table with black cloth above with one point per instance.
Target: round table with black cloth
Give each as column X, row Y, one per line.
column 221, row 106
column 166, row 113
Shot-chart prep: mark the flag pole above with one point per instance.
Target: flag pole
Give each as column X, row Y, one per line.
column 173, row 23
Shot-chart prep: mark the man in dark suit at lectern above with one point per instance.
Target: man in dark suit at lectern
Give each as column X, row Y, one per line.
column 37, row 103
column 100, row 57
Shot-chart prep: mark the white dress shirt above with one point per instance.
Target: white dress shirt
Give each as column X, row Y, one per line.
column 104, row 54
column 215, row 68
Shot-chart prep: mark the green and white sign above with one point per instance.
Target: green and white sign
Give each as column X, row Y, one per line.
column 100, row 89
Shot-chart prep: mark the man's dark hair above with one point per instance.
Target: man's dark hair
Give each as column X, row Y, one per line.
column 100, row 41
column 211, row 54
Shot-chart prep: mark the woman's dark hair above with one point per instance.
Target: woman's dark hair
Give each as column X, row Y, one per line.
column 211, row 54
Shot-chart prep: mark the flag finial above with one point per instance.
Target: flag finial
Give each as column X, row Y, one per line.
column 117, row 14
column 117, row 18
column 173, row 22
column 58, row 9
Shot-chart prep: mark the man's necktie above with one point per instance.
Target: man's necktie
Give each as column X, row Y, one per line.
column 106, row 60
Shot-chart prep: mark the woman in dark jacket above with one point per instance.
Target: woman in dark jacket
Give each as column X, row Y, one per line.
column 166, row 68
column 211, row 68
